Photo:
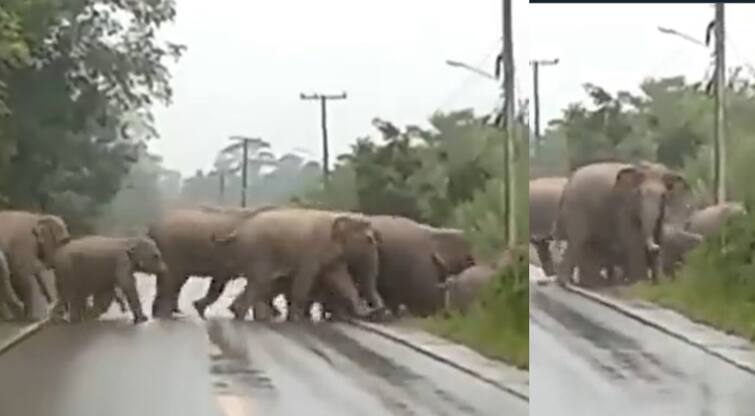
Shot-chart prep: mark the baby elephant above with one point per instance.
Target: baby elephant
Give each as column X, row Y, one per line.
column 96, row 266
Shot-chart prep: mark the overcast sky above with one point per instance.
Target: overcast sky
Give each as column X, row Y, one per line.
column 617, row 45
column 247, row 62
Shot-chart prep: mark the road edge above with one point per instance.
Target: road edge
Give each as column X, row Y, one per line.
column 615, row 305
column 378, row 330
column 25, row 333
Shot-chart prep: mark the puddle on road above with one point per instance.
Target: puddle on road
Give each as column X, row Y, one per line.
column 627, row 355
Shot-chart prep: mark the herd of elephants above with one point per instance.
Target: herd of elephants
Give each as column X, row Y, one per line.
column 352, row 264
column 619, row 222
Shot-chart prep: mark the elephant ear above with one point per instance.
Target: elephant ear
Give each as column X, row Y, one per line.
column 629, row 178
column 53, row 228
column 675, row 182
column 345, row 225
column 133, row 250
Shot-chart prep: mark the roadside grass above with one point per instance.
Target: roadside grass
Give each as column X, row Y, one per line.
column 497, row 325
column 717, row 284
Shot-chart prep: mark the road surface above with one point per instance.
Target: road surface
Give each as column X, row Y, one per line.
column 587, row 360
column 221, row 367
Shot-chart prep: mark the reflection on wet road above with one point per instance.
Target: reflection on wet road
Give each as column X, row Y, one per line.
column 222, row 367
column 590, row 360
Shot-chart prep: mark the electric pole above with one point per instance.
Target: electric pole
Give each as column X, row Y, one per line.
column 244, row 164
column 720, row 103
column 323, row 98
column 536, row 95
column 509, row 121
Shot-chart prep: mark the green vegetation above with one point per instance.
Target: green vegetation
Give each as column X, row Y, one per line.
column 671, row 121
column 77, row 82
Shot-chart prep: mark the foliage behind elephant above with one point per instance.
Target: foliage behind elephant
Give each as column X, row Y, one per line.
column 96, row 265
column 412, row 263
column 544, row 194
column 184, row 237
column 613, row 213
column 29, row 241
column 302, row 244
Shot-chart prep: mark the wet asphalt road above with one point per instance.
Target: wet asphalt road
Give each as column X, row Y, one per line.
column 587, row 360
column 221, row 367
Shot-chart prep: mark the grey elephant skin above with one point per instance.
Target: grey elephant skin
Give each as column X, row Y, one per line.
column 414, row 259
column 677, row 243
column 184, row 237
column 96, row 265
column 545, row 195
column 10, row 305
column 709, row 220
column 29, row 242
column 462, row 290
column 611, row 215
column 301, row 244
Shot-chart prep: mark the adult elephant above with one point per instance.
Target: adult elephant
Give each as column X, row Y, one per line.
column 95, row 266
column 613, row 213
column 303, row 244
column 545, row 194
column 184, row 237
column 29, row 241
column 414, row 259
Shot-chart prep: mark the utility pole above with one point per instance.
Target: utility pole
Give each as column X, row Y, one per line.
column 245, row 164
column 720, row 103
column 323, row 98
column 221, row 178
column 509, row 121
column 536, row 95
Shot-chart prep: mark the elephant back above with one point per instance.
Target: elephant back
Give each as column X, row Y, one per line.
column 544, row 198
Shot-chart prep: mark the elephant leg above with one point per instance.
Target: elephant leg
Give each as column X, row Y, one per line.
column 13, row 306
column 25, row 289
column 166, row 295
column 544, row 254
column 340, row 282
column 126, row 281
column 263, row 311
column 43, row 287
column 77, row 308
column 261, row 284
column 102, row 301
column 568, row 263
column 217, row 286
column 589, row 268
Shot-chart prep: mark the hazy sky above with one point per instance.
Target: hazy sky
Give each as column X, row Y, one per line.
column 616, row 46
column 247, row 62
